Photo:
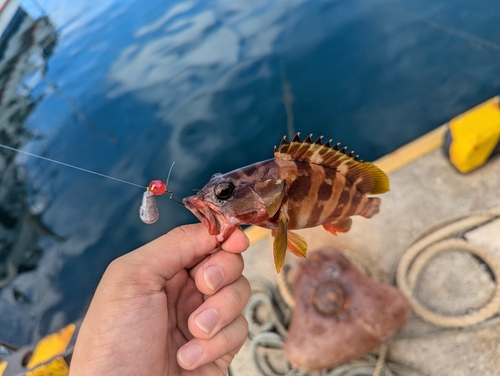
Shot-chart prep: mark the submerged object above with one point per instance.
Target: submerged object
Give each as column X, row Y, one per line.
column 340, row 314
column 306, row 184
column 473, row 137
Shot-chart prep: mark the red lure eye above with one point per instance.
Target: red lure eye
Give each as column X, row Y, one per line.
column 157, row 187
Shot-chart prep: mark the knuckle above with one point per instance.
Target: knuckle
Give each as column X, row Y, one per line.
column 181, row 232
column 239, row 293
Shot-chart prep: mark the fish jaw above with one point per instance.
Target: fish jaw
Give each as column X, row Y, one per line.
column 203, row 213
column 216, row 222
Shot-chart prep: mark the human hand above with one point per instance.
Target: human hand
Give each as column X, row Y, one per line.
column 171, row 307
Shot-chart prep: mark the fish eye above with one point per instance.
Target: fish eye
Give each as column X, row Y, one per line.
column 224, row 190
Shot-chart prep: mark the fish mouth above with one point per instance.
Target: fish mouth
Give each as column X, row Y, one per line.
column 203, row 213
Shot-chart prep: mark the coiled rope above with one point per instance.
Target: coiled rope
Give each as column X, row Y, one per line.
column 445, row 238
column 269, row 309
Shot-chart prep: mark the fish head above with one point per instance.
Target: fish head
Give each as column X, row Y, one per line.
column 227, row 201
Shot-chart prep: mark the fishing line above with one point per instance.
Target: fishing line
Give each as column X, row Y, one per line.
column 68, row 165
column 166, row 183
column 169, row 172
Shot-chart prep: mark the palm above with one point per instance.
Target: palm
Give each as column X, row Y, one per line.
column 144, row 314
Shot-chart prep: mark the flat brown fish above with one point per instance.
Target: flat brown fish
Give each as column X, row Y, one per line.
column 306, row 184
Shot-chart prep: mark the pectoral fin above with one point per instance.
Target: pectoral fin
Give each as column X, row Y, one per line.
column 280, row 242
column 271, row 193
column 297, row 244
column 343, row 225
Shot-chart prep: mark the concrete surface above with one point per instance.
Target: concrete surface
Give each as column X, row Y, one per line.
column 426, row 191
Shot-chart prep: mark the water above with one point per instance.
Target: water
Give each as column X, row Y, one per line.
column 126, row 88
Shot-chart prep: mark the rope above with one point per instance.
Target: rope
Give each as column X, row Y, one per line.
column 268, row 331
column 421, row 252
column 284, row 285
column 271, row 342
column 267, row 321
column 262, row 311
column 381, row 360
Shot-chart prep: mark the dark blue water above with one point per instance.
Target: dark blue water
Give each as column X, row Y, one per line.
column 127, row 87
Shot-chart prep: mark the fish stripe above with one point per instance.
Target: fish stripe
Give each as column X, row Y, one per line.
column 324, row 191
column 300, row 188
column 342, row 202
column 315, row 216
column 355, row 201
column 299, row 191
column 250, row 170
column 333, row 201
column 351, row 204
column 311, row 208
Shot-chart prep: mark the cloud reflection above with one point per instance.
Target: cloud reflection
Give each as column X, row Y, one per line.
column 199, row 47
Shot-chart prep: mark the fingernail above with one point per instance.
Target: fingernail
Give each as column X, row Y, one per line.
column 213, row 276
column 207, row 320
column 190, row 354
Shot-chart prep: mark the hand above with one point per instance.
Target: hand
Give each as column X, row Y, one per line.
column 171, row 307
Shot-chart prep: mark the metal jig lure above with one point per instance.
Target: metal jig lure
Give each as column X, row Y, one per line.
column 148, row 212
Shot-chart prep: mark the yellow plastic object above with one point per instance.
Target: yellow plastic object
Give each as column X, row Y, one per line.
column 3, row 365
column 474, row 135
column 56, row 367
column 45, row 359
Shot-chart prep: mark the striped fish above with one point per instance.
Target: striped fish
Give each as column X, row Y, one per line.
column 306, row 184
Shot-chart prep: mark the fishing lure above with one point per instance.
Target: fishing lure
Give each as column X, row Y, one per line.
column 148, row 212
column 306, row 184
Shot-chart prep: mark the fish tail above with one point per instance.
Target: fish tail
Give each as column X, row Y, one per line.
column 370, row 207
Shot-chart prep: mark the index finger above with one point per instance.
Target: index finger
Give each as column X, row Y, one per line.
column 177, row 249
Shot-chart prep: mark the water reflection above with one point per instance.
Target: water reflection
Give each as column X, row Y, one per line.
column 132, row 87
column 25, row 46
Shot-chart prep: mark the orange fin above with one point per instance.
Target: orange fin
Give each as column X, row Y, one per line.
column 280, row 242
column 343, row 225
column 296, row 244
column 368, row 177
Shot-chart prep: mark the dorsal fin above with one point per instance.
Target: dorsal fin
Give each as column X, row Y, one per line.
column 369, row 178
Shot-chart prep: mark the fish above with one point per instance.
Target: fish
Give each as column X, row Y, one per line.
column 307, row 183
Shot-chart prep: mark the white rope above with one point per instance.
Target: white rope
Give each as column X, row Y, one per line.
column 269, row 335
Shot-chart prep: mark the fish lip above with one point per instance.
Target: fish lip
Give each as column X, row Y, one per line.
column 203, row 213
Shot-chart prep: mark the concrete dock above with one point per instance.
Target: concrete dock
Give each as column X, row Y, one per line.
column 427, row 193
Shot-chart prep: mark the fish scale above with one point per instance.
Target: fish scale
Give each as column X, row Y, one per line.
column 306, row 184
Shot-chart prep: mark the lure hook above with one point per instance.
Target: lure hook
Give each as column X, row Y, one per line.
column 148, row 212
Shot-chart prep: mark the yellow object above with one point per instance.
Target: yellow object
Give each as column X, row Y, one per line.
column 52, row 346
column 412, row 151
column 56, row 367
column 474, row 135
column 3, row 365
